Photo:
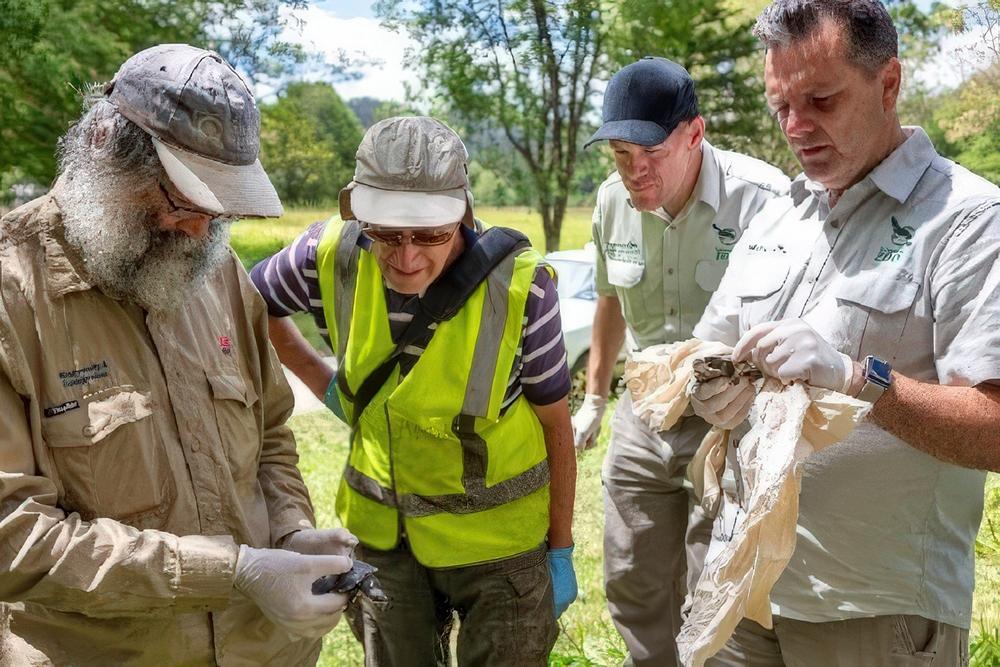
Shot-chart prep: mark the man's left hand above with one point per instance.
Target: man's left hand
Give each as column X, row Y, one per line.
column 320, row 541
column 792, row 350
column 563, row 578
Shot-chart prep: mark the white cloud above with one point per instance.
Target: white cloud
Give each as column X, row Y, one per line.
column 359, row 38
column 948, row 68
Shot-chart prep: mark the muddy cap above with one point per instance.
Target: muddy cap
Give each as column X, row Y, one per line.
column 204, row 123
column 410, row 172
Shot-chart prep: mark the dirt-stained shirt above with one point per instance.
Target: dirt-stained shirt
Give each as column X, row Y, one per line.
column 137, row 451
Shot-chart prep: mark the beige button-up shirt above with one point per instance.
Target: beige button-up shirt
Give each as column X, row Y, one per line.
column 662, row 269
column 903, row 267
column 137, row 451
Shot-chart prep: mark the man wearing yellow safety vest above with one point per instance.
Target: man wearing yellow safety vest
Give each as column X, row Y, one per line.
column 453, row 379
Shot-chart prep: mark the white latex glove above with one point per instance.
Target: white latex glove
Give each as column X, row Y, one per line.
column 792, row 350
column 721, row 402
column 587, row 421
column 280, row 582
column 330, row 541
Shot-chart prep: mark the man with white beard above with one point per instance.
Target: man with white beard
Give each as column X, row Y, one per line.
column 151, row 511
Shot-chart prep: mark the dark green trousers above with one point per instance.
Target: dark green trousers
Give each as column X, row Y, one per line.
column 505, row 611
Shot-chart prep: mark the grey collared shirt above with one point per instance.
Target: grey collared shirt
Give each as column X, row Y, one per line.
column 662, row 269
column 903, row 267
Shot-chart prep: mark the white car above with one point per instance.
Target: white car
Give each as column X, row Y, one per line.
column 575, row 272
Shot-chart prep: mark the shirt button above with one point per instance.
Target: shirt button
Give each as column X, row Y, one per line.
column 672, row 311
column 670, row 272
column 835, row 223
column 195, row 446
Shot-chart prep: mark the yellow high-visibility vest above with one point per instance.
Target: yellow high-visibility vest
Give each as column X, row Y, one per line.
column 432, row 453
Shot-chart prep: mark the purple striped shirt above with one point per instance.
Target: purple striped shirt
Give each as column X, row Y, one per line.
column 289, row 283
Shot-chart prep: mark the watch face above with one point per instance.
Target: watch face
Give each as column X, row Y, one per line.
column 878, row 371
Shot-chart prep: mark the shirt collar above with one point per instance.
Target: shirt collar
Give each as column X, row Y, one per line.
column 705, row 190
column 63, row 264
column 897, row 175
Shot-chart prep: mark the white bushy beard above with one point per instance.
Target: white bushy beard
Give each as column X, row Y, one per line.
column 107, row 218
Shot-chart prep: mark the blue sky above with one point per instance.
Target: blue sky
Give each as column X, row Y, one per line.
column 347, row 9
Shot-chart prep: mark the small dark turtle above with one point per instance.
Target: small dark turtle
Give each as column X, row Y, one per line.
column 713, row 367
column 359, row 579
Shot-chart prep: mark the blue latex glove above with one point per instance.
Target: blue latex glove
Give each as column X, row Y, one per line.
column 563, row 578
column 332, row 399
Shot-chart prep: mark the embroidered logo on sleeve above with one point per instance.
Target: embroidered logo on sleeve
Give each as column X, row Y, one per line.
column 80, row 376
column 57, row 410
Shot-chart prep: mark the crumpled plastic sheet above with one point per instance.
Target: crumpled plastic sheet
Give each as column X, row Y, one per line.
column 787, row 424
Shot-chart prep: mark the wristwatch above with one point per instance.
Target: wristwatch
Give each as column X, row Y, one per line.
column 878, row 378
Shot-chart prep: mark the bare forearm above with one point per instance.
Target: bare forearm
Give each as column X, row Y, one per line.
column 298, row 355
column 954, row 424
column 606, row 341
column 562, row 470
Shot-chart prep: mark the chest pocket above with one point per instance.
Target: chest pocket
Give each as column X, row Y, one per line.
column 708, row 274
column 878, row 305
column 758, row 285
column 624, row 274
column 110, row 458
column 234, row 401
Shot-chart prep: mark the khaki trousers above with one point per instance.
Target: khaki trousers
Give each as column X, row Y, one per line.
column 655, row 535
column 879, row 641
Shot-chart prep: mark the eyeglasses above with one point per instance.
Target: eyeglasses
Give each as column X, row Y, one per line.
column 394, row 238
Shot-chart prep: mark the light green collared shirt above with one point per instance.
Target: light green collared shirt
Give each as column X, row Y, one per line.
column 662, row 269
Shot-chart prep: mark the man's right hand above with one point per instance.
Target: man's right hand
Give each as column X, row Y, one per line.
column 280, row 582
column 587, row 421
column 721, row 402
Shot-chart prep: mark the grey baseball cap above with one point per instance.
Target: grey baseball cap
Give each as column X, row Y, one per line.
column 204, row 123
column 410, row 172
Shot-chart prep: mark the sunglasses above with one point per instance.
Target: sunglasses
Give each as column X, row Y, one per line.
column 394, row 238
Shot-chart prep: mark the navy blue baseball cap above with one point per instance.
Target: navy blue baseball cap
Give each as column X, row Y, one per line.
column 645, row 101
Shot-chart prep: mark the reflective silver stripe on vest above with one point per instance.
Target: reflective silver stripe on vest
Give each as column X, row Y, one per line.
column 477, row 496
column 346, row 262
column 412, row 505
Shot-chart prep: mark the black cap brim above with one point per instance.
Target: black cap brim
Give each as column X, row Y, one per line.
column 642, row 132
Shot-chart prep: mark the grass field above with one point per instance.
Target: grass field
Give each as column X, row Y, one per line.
column 587, row 637
column 256, row 239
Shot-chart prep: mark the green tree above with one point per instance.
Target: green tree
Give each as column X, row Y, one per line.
column 526, row 67
column 969, row 116
column 714, row 41
column 52, row 49
column 534, row 68
column 308, row 141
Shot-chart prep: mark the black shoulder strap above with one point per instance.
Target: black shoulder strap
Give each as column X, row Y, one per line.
column 442, row 301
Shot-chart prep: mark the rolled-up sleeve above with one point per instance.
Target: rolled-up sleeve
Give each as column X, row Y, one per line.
column 965, row 288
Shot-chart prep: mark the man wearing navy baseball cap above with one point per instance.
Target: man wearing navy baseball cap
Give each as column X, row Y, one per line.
column 663, row 226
